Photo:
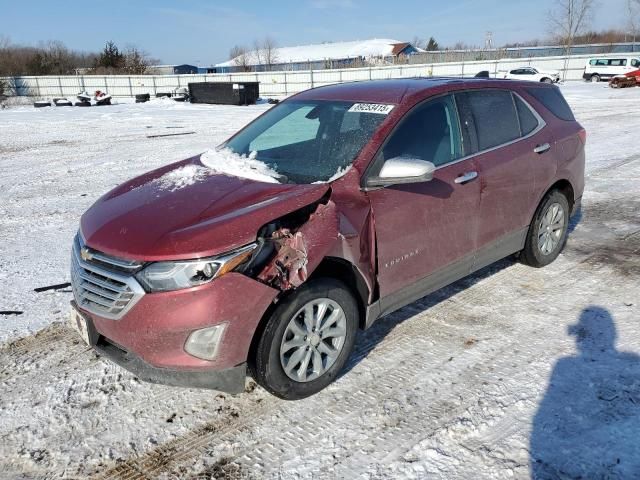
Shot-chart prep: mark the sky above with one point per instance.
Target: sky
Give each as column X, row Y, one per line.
column 202, row 32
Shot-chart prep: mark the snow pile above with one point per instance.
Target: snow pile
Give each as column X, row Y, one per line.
column 339, row 174
column 183, row 177
column 228, row 162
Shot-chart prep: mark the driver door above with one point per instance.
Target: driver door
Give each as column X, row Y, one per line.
column 426, row 232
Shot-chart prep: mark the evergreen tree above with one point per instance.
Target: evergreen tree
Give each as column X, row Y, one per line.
column 432, row 45
column 111, row 57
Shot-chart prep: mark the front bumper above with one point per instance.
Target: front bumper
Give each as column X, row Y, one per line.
column 149, row 339
column 230, row 380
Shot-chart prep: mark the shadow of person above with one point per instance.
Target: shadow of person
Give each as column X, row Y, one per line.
column 588, row 424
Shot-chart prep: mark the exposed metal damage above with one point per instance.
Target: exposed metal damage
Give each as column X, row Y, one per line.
column 293, row 246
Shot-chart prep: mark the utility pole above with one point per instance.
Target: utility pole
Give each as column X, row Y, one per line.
column 488, row 41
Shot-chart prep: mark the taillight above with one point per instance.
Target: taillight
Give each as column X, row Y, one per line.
column 583, row 136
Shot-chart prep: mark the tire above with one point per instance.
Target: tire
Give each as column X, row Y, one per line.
column 595, row 78
column 537, row 252
column 546, row 80
column 271, row 356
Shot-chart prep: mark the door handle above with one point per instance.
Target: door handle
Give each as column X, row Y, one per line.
column 467, row 177
column 542, row 148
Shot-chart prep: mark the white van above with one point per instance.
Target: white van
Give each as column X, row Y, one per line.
column 604, row 68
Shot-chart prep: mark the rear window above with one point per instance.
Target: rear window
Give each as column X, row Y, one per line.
column 553, row 100
column 495, row 117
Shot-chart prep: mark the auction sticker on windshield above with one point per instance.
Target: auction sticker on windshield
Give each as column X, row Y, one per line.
column 380, row 108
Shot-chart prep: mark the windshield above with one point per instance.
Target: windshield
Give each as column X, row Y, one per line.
column 309, row 141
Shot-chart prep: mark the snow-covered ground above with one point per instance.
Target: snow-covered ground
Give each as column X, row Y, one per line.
column 510, row 371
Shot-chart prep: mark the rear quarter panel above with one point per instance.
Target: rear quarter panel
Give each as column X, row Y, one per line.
column 565, row 160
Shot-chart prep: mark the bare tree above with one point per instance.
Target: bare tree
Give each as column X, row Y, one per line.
column 418, row 42
column 270, row 51
column 240, row 57
column 568, row 19
column 266, row 52
column 136, row 61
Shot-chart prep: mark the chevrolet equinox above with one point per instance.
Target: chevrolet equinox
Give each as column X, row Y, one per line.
column 339, row 205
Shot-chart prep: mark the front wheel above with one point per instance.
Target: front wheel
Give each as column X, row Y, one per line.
column 546, row 80
column 595, row 78
column 307, row 340
column 548, row 230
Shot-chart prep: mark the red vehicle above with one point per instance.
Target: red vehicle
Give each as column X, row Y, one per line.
column 383, row 192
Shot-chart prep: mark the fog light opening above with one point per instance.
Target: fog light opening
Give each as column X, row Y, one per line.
column 204, row 343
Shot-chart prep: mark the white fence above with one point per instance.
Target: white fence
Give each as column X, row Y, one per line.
column 282, row 83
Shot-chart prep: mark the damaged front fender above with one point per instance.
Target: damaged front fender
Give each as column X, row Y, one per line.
column 300, row 249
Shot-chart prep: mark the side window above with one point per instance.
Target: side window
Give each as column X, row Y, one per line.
column 593, row 62
column 635, row 63
column 494, row 115
column 428, row 132
column 293, row 128
column 528, row 121
column 617, row 62
column 602, row 62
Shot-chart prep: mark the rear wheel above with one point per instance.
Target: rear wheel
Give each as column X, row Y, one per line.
column 548, row 230
column 307, row 340
column 546, row 80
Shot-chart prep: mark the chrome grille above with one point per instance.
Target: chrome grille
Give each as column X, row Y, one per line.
column 102, row 284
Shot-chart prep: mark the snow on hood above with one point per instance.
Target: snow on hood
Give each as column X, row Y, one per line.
column 183, row 177
column 227, row 162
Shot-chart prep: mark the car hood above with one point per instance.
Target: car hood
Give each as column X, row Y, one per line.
column 184, row 211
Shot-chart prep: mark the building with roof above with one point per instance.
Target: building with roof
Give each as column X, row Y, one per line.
column 320, row 56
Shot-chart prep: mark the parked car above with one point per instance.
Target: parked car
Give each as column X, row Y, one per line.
column 533, row 75
column 382, row 192
column 605, row 68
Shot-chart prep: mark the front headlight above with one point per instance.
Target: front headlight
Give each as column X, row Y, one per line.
column 166, row 276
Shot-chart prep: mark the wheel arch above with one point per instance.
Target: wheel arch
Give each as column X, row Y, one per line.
column 344, row 271
column 565, row 187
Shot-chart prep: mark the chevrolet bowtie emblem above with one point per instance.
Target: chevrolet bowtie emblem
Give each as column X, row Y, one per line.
column 85, row 254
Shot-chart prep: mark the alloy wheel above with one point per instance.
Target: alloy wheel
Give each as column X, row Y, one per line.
column 551, row 229
column 313, row 340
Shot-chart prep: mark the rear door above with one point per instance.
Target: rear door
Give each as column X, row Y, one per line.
column 509, row 143
column 427, row 228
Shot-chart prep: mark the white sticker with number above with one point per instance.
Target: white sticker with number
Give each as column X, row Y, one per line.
column 381, row 108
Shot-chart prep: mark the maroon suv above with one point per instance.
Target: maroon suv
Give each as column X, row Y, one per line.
column 379, row 193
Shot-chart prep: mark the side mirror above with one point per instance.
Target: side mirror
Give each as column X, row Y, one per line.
column 401, row 170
